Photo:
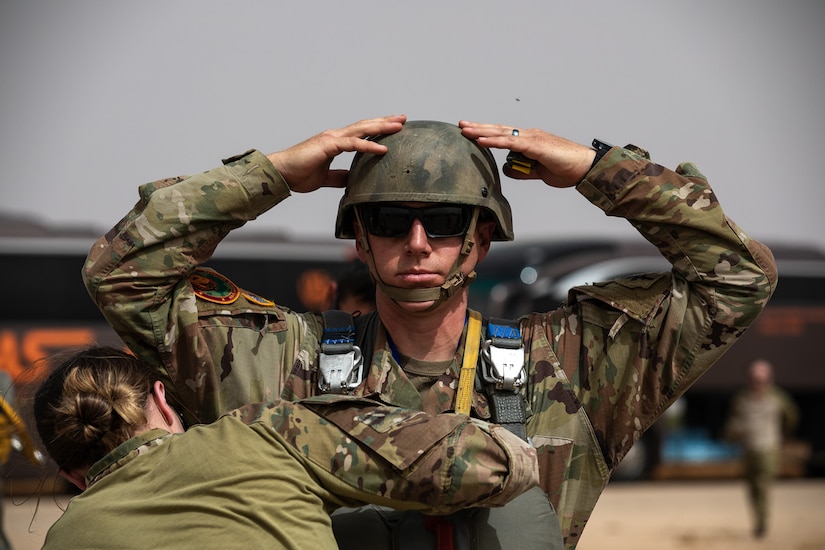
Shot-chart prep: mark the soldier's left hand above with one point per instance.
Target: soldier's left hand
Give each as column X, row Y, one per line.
column 559, row 162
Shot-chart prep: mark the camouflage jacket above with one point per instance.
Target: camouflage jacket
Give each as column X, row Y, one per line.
column 239, row 471
column 600, row 369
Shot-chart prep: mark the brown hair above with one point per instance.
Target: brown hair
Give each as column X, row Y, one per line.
column 93, row 401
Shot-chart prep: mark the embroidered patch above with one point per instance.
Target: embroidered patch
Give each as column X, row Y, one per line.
column 258, row 300
column 214, row 287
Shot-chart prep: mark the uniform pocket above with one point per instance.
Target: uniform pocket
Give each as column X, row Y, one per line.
column 554, row 455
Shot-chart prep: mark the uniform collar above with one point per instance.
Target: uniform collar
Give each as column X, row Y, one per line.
column 125, row 453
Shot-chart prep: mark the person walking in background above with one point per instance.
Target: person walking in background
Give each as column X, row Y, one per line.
column 760, row 414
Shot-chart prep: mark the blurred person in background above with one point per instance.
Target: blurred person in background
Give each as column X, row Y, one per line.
column 355, row 290
column 761, row 414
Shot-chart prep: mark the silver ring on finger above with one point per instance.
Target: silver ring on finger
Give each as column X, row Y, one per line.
column 515, row 132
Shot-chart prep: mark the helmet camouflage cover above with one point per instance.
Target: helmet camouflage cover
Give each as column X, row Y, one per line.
column 429, row 162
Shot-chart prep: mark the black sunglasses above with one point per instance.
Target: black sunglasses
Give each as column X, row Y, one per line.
column 383, row 220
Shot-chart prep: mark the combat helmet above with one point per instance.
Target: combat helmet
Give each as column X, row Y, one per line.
column 426, row 161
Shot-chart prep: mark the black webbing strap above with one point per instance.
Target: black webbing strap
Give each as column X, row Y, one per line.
column 506, row 405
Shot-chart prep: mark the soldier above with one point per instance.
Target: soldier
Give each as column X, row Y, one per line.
column 760, row 416
column 423, row 202
column 264, row 476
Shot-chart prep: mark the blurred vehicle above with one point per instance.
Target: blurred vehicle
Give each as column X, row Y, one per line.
column 527, row 277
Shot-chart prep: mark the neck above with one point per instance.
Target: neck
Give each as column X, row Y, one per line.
column 424, row 335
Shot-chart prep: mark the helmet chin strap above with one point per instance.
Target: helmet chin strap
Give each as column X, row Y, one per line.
column 455, row 281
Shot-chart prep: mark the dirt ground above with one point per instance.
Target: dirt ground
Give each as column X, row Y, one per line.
column 639, row 516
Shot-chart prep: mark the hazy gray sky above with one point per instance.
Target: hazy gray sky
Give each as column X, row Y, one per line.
column 98, row 97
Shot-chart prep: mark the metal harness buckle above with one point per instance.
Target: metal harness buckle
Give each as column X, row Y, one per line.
column 502, row 356
column 340, row 363
column 340, row 371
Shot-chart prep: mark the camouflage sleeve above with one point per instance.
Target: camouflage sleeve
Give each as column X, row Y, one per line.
column 138, row 273
column 677, row 324
column 367, row 452
column 606, row 365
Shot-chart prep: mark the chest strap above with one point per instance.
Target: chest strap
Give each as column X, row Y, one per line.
column 499, row 369
column 502, row 370
column 467, row 374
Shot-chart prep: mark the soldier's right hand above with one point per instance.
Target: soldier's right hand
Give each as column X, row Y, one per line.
column 306, row 166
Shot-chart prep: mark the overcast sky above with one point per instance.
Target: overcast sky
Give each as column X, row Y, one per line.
column 98, row 97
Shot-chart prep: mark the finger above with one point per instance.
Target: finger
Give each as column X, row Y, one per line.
column 375, row 126
column 357, row 144
column 480, row 126
column 498, row 136
column 478, row 129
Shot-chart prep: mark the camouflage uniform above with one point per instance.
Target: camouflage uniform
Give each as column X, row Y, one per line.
column 600, row 369
column 268, row 476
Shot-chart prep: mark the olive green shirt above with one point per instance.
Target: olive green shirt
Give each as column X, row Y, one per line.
column 273, row 482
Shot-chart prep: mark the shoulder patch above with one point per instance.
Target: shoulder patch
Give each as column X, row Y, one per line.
column 212, row 286
column 257, row 300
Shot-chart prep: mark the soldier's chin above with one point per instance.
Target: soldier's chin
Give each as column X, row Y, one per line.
column 413, row 307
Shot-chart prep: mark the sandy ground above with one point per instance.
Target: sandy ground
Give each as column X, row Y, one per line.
column 640, row 516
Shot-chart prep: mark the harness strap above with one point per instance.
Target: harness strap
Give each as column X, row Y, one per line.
column 502, row 368
column 500, row 371
column 366, row 332
column 464, row 394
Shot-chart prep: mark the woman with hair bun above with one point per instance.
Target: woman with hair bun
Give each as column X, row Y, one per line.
column 264, row 476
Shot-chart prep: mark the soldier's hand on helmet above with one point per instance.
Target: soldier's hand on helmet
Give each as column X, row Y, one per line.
column 558, row 161
column 306, row 166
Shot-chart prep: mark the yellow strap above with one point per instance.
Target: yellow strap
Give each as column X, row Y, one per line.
column 466, row 379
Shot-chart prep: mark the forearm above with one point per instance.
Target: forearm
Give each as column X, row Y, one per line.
column 365, row 452
column 677, row 212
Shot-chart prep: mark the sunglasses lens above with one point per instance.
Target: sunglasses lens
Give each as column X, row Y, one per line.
column 445, row 221
column 388, row 221
column 438, row 221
